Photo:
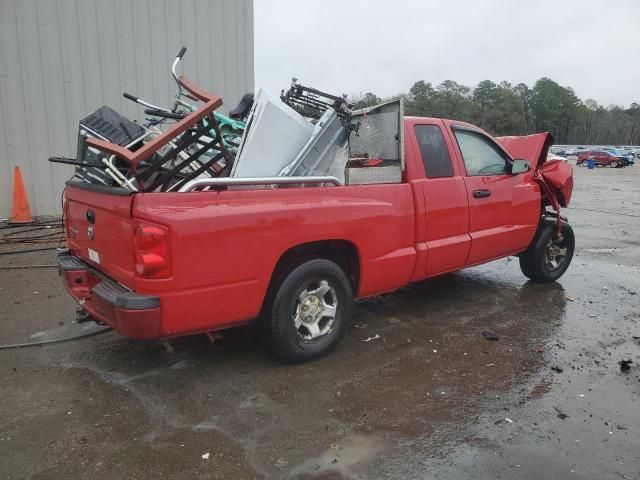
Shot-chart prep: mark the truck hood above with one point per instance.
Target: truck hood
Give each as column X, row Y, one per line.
column 557, row 175
column 532, row 148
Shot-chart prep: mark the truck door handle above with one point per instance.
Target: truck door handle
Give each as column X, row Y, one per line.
column 481, row 193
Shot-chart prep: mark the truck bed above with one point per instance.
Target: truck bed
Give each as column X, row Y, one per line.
column 224, row 245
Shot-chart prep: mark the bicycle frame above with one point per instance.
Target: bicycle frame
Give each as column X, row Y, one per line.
column 210, row 103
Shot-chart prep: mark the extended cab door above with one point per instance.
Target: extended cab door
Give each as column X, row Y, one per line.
column 504, row 209
column 443, row 222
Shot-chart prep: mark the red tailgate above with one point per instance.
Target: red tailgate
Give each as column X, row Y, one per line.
column 100, row 230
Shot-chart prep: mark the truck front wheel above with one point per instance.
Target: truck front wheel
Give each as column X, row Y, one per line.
column 310, row 310
column 548, row 257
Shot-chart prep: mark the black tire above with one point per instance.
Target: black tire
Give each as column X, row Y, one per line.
column 537, row 262
column 581, row 163
column 285, row 308
column 614, row 164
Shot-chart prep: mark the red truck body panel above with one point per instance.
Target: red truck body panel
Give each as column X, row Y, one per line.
column 225, row 245
column 112, row 231
column 532, row 148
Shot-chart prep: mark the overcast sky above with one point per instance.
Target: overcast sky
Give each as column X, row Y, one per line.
column 384, row 46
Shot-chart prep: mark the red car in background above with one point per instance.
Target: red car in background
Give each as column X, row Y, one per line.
column 601, row 157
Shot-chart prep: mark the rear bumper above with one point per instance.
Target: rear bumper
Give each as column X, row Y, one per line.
column 131, row 314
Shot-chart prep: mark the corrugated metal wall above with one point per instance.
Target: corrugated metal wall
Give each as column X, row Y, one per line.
column 61, row 59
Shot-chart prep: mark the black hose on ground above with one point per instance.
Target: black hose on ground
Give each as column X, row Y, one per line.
column 30, row 224
column 29, row 250
column 59, row 340
column 21, row 267
column 32, row 229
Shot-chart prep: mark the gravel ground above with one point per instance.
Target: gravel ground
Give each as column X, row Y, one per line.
column 430, row 398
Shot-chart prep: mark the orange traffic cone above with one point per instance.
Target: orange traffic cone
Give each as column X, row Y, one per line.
column 20, row 212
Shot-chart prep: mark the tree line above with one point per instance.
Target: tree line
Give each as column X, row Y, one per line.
column 506, row 109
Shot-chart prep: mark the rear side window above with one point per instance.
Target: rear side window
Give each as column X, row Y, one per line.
column 481, row 156
column 435, row 155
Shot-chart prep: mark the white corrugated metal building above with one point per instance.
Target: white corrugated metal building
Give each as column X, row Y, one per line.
column 61, row 59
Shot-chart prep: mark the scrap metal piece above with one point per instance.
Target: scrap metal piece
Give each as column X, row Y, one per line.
column 242, row 110
column 380, row 137
column 104, row 124
column 243, row 181
column 329, row 137
column 387, row 119
column 312, row 103
column 373, row 175
column 274, row 136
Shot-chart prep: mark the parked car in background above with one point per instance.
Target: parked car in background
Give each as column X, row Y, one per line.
column 553, row 156
column 573, row 151
column 625, row 156
column 602, row 157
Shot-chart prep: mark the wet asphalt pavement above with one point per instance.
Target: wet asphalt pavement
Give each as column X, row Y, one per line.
column 430, row 398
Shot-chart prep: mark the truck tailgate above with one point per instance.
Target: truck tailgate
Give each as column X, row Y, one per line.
column 100, row 230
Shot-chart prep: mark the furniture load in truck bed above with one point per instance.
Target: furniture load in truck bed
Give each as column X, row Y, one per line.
column 281, row 142
column 305, row 137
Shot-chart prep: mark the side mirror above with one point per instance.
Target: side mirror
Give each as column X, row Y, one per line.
column 519, row 166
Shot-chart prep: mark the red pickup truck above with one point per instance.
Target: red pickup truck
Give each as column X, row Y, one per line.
column 158, row 265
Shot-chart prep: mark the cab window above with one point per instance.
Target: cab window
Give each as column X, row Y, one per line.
column 435, row 155
column 481, row 156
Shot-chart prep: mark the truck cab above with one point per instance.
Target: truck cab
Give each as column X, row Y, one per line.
column 472, row 208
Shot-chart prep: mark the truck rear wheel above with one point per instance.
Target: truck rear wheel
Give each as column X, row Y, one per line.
column 310, row 311
column 548, row 257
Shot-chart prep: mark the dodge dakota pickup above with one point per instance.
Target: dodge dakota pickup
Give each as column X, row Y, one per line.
column 293, row 257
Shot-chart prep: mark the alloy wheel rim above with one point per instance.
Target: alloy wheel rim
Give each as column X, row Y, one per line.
column 555, row 254
column 315, row 310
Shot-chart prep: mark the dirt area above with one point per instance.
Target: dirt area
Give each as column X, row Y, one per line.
column 429, row 398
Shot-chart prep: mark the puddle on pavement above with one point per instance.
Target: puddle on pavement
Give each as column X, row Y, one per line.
column 349, row 458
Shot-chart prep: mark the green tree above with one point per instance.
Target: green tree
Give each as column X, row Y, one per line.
column 525, row 95
column 452, row 100
column 485, row 96
column 367, row 100
column 555, row 108
column 420, row 99
column 504, row 109
column 505, row 117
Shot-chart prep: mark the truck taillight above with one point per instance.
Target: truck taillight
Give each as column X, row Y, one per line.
column 152, row 251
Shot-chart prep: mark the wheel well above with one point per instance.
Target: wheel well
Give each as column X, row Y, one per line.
column 342, row 252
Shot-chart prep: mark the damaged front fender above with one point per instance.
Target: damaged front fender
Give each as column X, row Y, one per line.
column 554, row 176
column 558, row 175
